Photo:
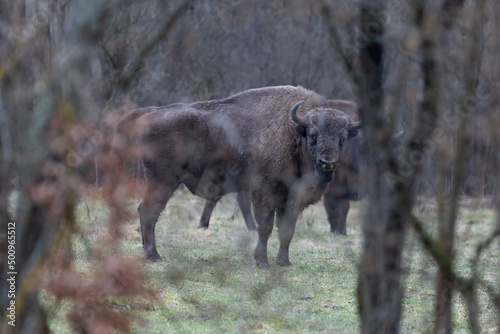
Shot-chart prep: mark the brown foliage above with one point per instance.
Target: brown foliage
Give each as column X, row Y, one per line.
column 100, row 300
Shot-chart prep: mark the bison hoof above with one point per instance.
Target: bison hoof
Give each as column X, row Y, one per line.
column 203, row 227
column 263, row 265
column 283, row 262
column 337, row 232
column 153, row 257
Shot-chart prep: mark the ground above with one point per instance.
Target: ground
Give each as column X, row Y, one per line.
column 208, row 281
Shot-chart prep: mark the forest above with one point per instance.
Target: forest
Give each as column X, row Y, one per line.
column 419, row 251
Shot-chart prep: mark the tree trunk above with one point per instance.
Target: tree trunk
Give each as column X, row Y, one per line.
column 384, row 226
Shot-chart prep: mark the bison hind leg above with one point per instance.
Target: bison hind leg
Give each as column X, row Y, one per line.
column 337, row 210
column 244, row 201
column 207, row 213
column 155, row 200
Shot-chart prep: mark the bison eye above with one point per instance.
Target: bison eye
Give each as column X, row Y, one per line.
column 313, row 139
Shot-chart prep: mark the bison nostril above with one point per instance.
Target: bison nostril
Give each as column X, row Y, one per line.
column 327, row 165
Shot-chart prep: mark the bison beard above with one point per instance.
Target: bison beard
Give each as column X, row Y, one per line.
column 284, row 168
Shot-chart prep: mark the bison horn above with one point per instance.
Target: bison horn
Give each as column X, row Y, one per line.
column 296, row 118
column 355, row 126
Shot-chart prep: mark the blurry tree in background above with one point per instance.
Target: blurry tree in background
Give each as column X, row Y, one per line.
column 69, row 68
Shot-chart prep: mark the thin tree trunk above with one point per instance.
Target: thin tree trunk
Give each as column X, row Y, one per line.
column 379, row 286
column 449, row 205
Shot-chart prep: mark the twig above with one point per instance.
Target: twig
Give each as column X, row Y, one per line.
column 481, row 248
column 108, row 55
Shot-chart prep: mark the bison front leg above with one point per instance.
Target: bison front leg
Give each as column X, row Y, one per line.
column 152, row 205
column 286, row 220
column 244, row 201
column 265, row 222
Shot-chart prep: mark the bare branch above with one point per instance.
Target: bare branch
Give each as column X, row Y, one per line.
column 164, row 30
column 332, row 29
column 108, row 56
column 481, row 248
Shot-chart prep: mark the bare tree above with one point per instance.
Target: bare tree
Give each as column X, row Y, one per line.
column 52, row 50
column 391, row 191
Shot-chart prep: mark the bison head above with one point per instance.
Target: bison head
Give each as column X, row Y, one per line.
column 325, row 131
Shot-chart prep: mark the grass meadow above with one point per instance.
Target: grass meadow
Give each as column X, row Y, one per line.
column 208, row 281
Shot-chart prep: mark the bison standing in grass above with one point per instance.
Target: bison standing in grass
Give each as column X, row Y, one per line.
column 281, row 144
column 343, row 187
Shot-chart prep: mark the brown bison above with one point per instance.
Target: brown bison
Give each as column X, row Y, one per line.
column 343, row 188
column 256, row 141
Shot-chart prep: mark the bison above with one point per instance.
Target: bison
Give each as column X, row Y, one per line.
column 281, row 144
column 345, row 185
column 343, row 188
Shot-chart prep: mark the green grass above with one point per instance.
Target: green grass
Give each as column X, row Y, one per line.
column 208, row 281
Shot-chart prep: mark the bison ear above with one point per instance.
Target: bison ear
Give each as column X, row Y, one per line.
column 300, row 130
column 353, row 129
